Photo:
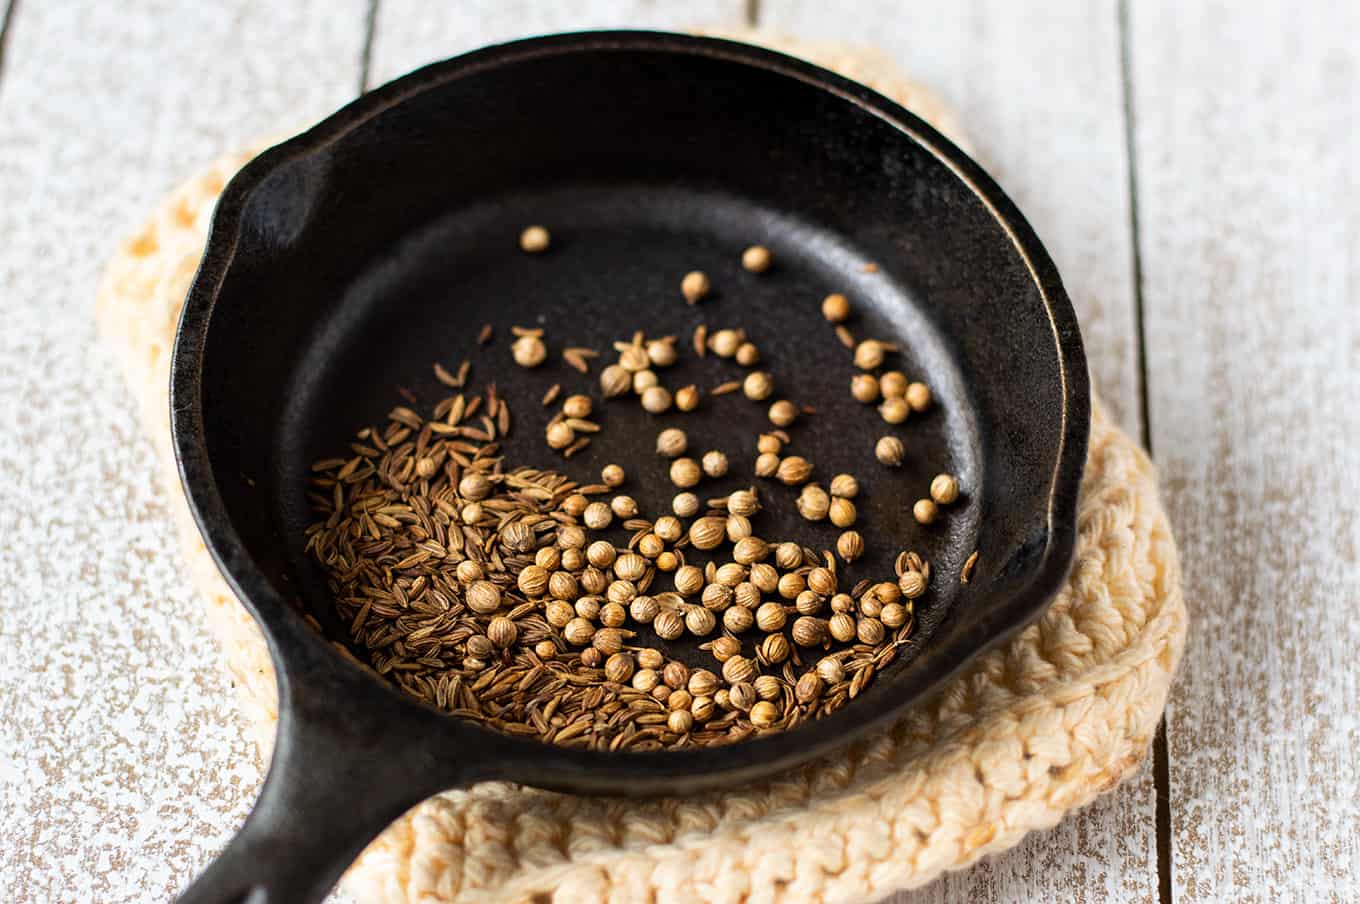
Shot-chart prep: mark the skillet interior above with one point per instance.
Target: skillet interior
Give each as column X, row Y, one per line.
column 380, row 244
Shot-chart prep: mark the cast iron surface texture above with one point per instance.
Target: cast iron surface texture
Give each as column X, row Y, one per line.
column 343, row 262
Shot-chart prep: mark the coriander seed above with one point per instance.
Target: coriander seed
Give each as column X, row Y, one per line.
column 738, row 527
column 808, row 688
column 483, row 597
column 529, row 351
column 502, row 632
column 534, row 240
column 944, row 489
column 758, row 385
column 869, row 354
column 764, row 714
column 707, row 533
column 578, row 632
column 894, row 411
column 808, row 631
column 700, row 621
column 686, row 505
column 474, row 486
column 597, row 516
column 612, row 476
column 562, row 585
column 649, row 658
column 618, row 667
column 767, row 464
column 747, row 354
column 668, row 528
column 615, row 381
column 716, row 597
column 737, row 619
column 749, row 550
column 601, row 553
column 702, row 708
column 893, row 384
column 864, row 387
column 575, row 505
column 469, row 571
column 560, row 435
column 643, row 609
column 577, row 406
column 808, row 603
column 661, row 352
column 695, row 286
column 676, row 674
column 685, row 472
column 623, row 506
column 841, row 626
column 890, row 451
column 870, row 631
column 671, row 442
column 783, row 413
column 911, row 584
column 764, row 577
column 680, row 721
column 844, row 486
column 842, row 512
column 532, row 581
column 894, row 615
column 918, row 396
column 770, row 443
column 646, row 680
column 791, row 584
column 714, row 463
column 770, row 617
column 545, row 649
column 738, row 669
column 821, row 581
column 724, row 648
column 830, row 670
column 836, row 308
column 788, row 555
column 756, row 259
column 668, row 625
column 622, row 592
column 569, row 536
column 656, row 399
column 558, row 613
column 741, row 696
column 633, row 358
column 794, row 470
column 687, row 398
column 768, row 687
column 924, row 511
column 644, row 380
column 630, row 566
column 725, row 343
column 667, row 561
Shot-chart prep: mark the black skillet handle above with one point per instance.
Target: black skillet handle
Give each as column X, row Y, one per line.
column 348, row 760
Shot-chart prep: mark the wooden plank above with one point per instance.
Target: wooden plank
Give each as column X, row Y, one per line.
column 1038, row 90
column 411, row 33
column 122, row 762
column 1249, row 204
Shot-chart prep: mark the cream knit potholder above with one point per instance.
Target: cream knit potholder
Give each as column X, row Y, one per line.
column 1060, row 714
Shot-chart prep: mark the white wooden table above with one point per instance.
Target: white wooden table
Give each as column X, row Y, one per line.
column 1193, row 169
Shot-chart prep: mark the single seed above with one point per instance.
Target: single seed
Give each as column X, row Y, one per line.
column 844, row 486
column 770, row 617
column 769, row 443
column 700, row 621
column 714, row 463
column 966, row 574
column 830, row 670
column 788, row 555
column 643, row 609
column 533, row 581
column 725, row 343
column 686, row 505
column 808, row 631
column 562, row 585
column 716, row 597
column 794, row 470
column 529, row 351
column 767, row 464
column 791, row 584
column 601, row 553
column 944, row 489
column 813, row 502
column 630, row 566
column 749, row 550
column 676, row 674
column 619, row 667
column 702, row 708
column 534, row 240
column 667, row 561
column 724, row 648
column 633, row 357
column 748, row 355
column 738, row 527
column 741, row 696
column 558, row 613
column 615, row 381
column 756, row 259
column 841, row 626
column 924, row 511
column 808, row 689
column 738, row 669
column 864, row 387
column 578, row 632
column 894, row 615
column 836, row 308
column 612, row 475
column 783, row 413
column 821, row 581
column 695, row 286
column 474, row 487
column 893, row 384
column 483, row 597
column 656, row 399
column 661, row 352
column 680, row 721
column 469, row 571
column 624, row 506
column 743, row 502
column 687, row 398
column 707, row 533
column 668, row 528
column 894, row 411
column 870, row 631
column 685, row 472
column 911, row 584
column 644, row 380
column 918, row 396
column 764, row 714
column 869, row 354
column 545, row 649
column 597, row 516
column 737, row 619
column 578, row 406
column 758, row 385
column 842, row 512
column 850, row 545
column 890, row 451
column 671, row 442
column 668, row 625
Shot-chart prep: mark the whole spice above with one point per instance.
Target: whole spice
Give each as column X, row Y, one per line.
column 783, row 413
column 597, row 516
column 841, row 626
column 737, row 619
column 656, row 399
column 770, row 617
column 685, row 473
column 756, row 259
column 615, row 381
column 844, row 486
column 534, row 239
column 767, row 464
column 685, row 505
column 578, row 406
column 869, row 354
column 794, row 470
column 764, row 714
column 668, row 625
column 808, row 631
column 813, row 502
column 748, row 355
column 758, row 385
column 483, row 597
column 725, row 343
column 911, row 584
column 893, row 384
column 842, row 512
column 918, row 396
column 707, row 533
column 894, row 411
column 714, row 463
column 695, row 286
column 529, row 351
column 671, row 442
column 890, row 451
column 836, row 308
column 924, row 511
column 864, row 387
column 687, row 398
column 944, row 489
column 612, row 475
column 661, row 352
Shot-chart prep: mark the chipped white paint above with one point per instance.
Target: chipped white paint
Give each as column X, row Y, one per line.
column 1247, row 144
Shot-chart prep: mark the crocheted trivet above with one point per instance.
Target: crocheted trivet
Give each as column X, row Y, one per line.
column 1059, row 715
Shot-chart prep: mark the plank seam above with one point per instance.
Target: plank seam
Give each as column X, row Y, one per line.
column 5, row 22
column 366, row 52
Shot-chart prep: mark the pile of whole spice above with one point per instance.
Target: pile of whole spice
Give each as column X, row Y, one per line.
column 540, row 606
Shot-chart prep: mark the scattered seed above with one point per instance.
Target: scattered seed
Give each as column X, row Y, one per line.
column 695, row 286
column 890, row 451
column 534, row 239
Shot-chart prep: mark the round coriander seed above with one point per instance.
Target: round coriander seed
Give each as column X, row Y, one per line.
column 668, row 625
column 680, row 721
column 841, row 626
column 808, row 603
column 830, row 670
column 738, row 527
column 668, row 528
column 671, row 442
column 864, row 387
column 545, row 649
column 633, row 358
column 656, row 399
column 714, row 463
column 481, row 646
column 558, row 612
column 716, row 597
column 890, row 451
column 844, row 486
column 741, row 696
column 944, row 489
column 702, row 708
column 707, row 533
column 894, row 411
column 918, row 396
column 758, row 385
column 808, row 689
column 764, row 714
column 559, row 435
column 630, row 566
column 612, row 475
column 749, row 550
column 562, row 585
column 724, row 648
column 774, row 649
column 597, row 516
column 869, row 354
column 532, row 581
column 783, row 413
column 850, row 546
column 764, row 577
column 615, row 381
column 687, row 398
column 748, row 355
column 577, row 406
column 700, row 621
column 578, row 632
column 685, row 505
column 746, row 595
column 842, row 512
column 643, row 609
column 661, row 352
column 529, row 351
column 821, row 581
column 911, row 584
column 624, row 506
column 483, row 597
column 788, row 555
column 469, row 571
column 649, row 658
column 894, row 615
column 601, row 554
column 575, row 505
column 756, row 259
column 808, row 631
column 737, row 619
column 685, row 472
column 893, row 384
column 870, row 631
column 743, row 502
column 644, row 380
column 813, row 502
column 667, row 561
column 767, row 464
column 695, row 286
column 534, row 240
column 646, row 679
column 770, row 443
column 924, row 511
column 738, row 669
column 791, row 584
column 770, row 617
column 836, row 308
column 618, row 667
column 725, row 343
column 794, row 470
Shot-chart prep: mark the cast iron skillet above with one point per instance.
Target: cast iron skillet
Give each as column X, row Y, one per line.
column 343, row 262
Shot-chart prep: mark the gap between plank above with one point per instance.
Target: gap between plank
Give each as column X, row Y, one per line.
column 1161, row 759
column 366, row 53
column 5, row 21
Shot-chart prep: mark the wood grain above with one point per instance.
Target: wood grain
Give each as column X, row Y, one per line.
column 411, row 33
column 1248, row 134
column 123, row 766
column 1038, row 90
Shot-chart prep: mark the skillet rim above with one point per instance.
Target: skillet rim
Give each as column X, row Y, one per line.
column 532, row 762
